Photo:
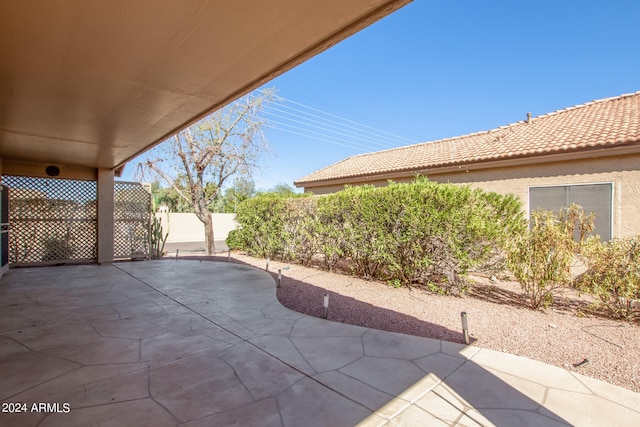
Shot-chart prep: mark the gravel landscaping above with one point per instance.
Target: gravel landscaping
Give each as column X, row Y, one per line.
column 563, row 336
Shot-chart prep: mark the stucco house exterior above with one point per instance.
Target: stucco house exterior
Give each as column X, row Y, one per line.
column 587, row 154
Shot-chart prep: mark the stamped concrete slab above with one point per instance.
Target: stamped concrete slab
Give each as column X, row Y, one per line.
column 329, row 353
column 142, row 413
column 42, row 335
column 283, row 348
column 200, row 343
column 263, row 375
column 264, row 413
column 198, row 386
column 100, row 350
column 26, row 371
column 128, row 328
column 399, row 346
column 391, row 376
column 176, row 345
column 311, row 404
column 92, row 385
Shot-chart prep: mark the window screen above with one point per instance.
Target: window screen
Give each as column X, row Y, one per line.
column 595, row 198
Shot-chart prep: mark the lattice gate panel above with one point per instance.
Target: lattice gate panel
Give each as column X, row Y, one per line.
column 132, row 216
column 52, row 220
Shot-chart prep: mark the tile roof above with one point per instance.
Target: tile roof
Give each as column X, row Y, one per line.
column 609, row 122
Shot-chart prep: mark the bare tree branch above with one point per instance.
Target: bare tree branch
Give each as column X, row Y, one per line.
column 227, row 143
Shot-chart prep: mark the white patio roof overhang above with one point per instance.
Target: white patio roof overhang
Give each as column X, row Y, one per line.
column 94, row 83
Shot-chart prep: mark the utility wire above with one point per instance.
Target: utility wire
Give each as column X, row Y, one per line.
column 395, row 137
column 341, row 135
column 285, row 128
column 347, row 132
column 347, row 129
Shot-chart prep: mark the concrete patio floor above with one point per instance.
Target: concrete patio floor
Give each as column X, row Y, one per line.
column 196, row 343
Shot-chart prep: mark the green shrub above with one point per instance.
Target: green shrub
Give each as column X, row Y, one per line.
column 261, row 225
column 300, row 240
column 234, row 240
column 541, row 258
column 359, row 221
column 438, row 232
column 331, row 228
column 415, row 233
column 613, row 275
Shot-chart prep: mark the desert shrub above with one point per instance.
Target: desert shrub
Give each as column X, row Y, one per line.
column 234, row 240
column 261, row 225
column 414, row 233
column 300, row 239
column 613, row 275
column 437, row 232
column 157, row 240
column 332, row 227
column 359, row 220
column 417, row 233
column 541, row 257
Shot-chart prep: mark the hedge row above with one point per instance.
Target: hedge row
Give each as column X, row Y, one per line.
column 411, row 233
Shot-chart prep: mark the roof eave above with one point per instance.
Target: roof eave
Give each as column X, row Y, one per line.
column 629, row 148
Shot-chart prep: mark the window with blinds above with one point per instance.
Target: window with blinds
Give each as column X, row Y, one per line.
column 597, row 198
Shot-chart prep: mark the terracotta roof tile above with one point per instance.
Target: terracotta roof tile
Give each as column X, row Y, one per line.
column 597, row 124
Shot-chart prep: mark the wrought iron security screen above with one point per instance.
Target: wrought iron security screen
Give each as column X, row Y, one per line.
column 52, row 220
column 132, row 216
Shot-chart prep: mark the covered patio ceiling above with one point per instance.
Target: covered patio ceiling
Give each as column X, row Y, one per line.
column 94, row 83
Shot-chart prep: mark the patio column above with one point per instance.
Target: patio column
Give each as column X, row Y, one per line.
column 105, row 215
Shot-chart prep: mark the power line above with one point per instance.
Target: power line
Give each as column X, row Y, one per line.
column 343, row 131
column 397, row 137
column 326, row 130
column 285, row 127
column 375, row 138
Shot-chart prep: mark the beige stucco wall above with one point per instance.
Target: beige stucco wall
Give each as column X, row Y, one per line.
column 186, row 227
column 622, row 171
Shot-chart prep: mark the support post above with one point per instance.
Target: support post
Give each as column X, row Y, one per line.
column 105, row 223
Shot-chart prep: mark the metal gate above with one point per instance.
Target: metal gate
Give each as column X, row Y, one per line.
column 54, row 221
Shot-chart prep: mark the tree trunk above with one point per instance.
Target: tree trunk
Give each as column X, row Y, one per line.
column 208, row 235
column 204, row 216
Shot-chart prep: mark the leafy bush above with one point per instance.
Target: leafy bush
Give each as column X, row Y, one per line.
column 541, row 258
column 613, row 275
column 415, row 233
column 438, row 232
column 261, row 225
column 331, row 228
column 299, row 235
column 234, row 240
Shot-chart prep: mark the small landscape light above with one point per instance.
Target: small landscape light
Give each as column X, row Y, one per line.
column 326, row 306
column 465, row 327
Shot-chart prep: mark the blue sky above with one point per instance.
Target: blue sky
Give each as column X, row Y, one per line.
column 438, row 69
